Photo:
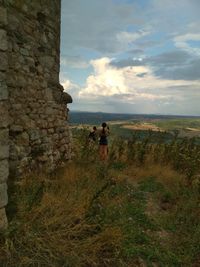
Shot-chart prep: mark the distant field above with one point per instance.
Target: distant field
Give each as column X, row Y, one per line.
column 144, row 126
column 126, row 124
column 188, row 127
column 99, row 117
column 179, row 123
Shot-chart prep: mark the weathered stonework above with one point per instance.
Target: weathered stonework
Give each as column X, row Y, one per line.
column 33, row 111
column 4, row 119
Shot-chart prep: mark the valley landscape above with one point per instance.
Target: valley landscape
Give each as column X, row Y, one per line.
column 125, row 125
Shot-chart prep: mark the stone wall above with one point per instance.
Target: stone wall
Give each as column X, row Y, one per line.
column 4, row 120
column 30, row 91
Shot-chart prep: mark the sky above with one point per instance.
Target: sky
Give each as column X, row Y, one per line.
column 131, row 56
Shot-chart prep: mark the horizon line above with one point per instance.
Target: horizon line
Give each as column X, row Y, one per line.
column 125, row 113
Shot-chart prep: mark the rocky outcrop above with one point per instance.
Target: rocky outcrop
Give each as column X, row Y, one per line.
column 33, row 107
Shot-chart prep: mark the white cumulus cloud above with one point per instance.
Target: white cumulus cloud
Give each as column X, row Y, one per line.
column 70, row 87
column 130, row 82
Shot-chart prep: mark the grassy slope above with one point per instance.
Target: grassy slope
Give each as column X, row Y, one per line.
column 103, row 215
column 130, row 211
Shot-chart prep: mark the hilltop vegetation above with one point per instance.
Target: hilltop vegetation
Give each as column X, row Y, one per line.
column 140, row 208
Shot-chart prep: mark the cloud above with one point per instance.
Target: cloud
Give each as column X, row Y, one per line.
column 67, row 84
column 70, row 87
column 102, row 94
column 145, row 55
column 136, row 51
column 136, row 82
column 171, row 18
column 105, row 80
column 75, row 62
column 128, row 62
column 102, row 25
column 182, row 42
column 189, row 71
column 193, row 26
column 174, row 57
column 97, row 25
column 176, row 65
column 173, row 65
column 127, row 38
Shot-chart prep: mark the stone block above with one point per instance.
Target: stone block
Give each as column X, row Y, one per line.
column 3, row 195
column 49, row 95
column 13, row 165
column 4, row 137
column 3, row 171
column 63, row 141
column 47, row 62
column 4, row 152
column 4, row 118
column 17, row 106
column 3, row 40
column 3, row 219
column 24, row 52
column 4, row 61
column 34, row 134
column 51, row 130
column 21, row 81
column 43, row 158
column 43, row 124
column 55, row 136
column 2, row 76
column 3, row 16
column 13, row 22
column 23, row 139
column 13, row 152
column 28, row 122
column 16, row 129
column 3, row 91
column 66, row 98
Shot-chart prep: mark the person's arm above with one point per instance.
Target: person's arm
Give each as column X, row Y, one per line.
column 107, row 131
column 98, row 132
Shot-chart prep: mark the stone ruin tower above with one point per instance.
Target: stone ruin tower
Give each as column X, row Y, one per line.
column 33, row 107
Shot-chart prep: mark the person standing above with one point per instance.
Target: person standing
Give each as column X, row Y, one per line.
column 93, row 134
column 103, row 141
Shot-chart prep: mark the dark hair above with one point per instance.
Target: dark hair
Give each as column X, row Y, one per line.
column 104, row 126
column 94, row 128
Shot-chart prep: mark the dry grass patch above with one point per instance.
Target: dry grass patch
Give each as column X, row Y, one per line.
column 51, row 226
column 143, row 127
column 163, row 174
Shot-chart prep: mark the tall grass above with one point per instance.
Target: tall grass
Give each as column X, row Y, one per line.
column 181, row 154
column 140, row 208
column 52, row 225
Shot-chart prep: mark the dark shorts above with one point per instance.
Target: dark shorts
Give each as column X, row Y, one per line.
column 103, row 141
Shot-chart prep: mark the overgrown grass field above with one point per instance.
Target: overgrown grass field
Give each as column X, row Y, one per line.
column 140, row 208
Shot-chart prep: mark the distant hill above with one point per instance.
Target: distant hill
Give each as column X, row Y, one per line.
column 96, row 118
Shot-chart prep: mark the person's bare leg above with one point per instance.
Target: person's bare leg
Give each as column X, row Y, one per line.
column 101, row 152
column 105, row 152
